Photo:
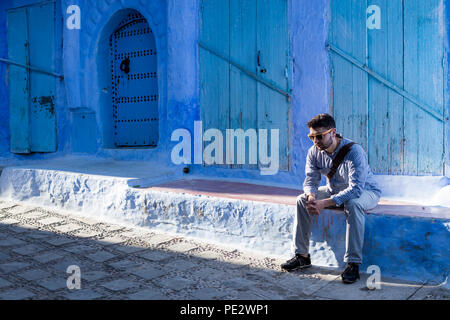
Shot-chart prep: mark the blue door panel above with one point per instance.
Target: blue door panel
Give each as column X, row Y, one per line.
column 273, row 48
column 42, row 90
column 243, row 49
column 18, row 81
column 215, row 71
column 385, row 49
column 424, row 51
column 342, row 36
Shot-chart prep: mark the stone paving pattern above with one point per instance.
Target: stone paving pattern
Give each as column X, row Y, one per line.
column 124, row 262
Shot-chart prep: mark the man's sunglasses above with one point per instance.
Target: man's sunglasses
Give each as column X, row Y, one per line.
column 319, row 135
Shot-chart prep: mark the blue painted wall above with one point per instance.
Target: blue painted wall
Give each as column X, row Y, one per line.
column 176, row 24
column 447, row 30
column 4, row 94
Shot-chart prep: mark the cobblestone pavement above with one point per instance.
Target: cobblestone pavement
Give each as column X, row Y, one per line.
column 121, row 262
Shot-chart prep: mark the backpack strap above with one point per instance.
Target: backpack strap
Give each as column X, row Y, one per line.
column 339, row 158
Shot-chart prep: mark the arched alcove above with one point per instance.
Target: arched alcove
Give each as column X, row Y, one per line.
column 128, row 79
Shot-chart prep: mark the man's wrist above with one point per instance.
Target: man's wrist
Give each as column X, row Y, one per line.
column 308, row 195
column 329, row 203
column 336, row 201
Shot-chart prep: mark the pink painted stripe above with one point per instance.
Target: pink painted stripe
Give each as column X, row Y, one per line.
column 270, row 194
column 233, row 190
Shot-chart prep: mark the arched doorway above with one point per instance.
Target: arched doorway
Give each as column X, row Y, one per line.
column 134, row 83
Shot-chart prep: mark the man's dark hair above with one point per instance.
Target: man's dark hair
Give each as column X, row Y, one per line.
column 323, row 120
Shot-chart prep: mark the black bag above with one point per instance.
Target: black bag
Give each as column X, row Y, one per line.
column 339, row 158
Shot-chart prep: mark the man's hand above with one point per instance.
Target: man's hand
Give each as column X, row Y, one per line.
column 310, row 200
column 312, row 207
column 315, row 206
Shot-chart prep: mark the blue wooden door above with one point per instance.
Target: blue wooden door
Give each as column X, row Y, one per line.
column 31, row 41
column 244, row 51
column 135, row 85
column 388, row 82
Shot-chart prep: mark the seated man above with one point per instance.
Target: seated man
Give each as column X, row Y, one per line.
column 350, row 182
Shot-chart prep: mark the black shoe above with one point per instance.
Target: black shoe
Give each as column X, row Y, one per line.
column 351, row 273
column 297, row 262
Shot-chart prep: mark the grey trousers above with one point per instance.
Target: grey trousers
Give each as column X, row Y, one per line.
column 354, row 212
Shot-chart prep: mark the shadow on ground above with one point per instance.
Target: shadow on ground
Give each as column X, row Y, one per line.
column 34, row 265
